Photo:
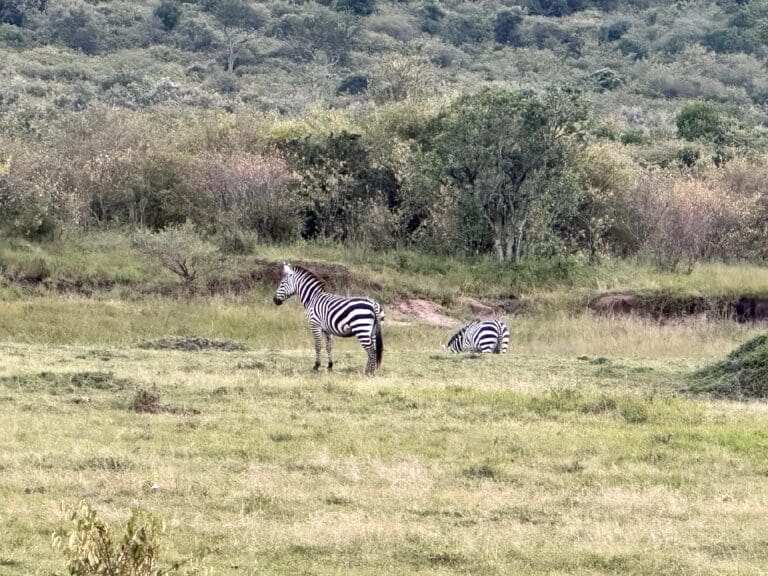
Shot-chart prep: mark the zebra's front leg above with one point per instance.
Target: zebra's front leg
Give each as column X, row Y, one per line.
column 329, row 349
column 317, row 334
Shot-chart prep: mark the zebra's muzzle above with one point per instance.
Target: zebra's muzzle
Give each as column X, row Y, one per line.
column 277, row 300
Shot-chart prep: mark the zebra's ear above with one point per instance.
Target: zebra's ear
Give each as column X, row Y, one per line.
column 287, row 268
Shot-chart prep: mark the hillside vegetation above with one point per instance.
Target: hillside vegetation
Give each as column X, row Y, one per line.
column 523, row 130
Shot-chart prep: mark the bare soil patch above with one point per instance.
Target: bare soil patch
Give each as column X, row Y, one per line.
column 680, row 307
column 421, row 310
column 489, row 309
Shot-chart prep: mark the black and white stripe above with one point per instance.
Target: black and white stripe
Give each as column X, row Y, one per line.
column 332, row 315
column 491, row 336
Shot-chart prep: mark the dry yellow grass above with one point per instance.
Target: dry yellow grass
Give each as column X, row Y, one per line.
column 538, row 462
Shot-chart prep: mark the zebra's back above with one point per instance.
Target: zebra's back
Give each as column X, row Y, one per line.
column 345, row 315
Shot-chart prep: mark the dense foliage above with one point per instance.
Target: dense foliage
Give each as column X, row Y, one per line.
column 522, row 129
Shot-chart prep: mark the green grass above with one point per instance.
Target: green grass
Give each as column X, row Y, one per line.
column 580, row 452
column 105, row 263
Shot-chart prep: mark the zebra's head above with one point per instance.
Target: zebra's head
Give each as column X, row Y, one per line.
column 456, row 343
column 287, row 286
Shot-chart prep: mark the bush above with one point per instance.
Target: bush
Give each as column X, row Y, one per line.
column 76, row 25
column 358, row 7
column 680, row 222
column 729, row 41
column 180, row 250
column 505, row 28
column 318, row 29
column 700, row 120
column 605, row 79
column 92, row 549
column 353, row 84
column 247, row 192
column 613, row 31
column 168, row 13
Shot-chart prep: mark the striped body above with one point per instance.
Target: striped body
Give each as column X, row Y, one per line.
column 332, row 315
column 486, row 336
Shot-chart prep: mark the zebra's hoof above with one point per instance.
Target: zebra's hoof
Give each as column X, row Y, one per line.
column 330, row 366
column 316, row 367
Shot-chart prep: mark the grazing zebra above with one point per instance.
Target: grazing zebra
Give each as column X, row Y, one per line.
column 481, row 336
column 332, row 315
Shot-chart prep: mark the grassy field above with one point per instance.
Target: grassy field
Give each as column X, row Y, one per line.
column 580, row 452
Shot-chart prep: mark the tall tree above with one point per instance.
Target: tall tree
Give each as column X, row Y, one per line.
column 508, row 155
column 239, row 20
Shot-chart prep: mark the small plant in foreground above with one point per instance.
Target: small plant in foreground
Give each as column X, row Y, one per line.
column 92, row 549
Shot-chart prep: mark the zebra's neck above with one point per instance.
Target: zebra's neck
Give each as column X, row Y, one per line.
column 307, row 288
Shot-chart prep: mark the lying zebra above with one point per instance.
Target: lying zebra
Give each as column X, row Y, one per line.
column 481, row 336
column 332, row 315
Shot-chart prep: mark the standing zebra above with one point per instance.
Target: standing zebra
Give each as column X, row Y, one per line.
column 481, row 336
column 332, row 315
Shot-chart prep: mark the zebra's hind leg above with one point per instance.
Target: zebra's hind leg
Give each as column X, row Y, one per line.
column 329, row 349
column 370, row 366
column 317, row 335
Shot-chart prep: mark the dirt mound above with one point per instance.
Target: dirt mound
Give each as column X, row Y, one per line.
column 426, row 311
column 743, row 375
column 665, row 305
column 336, row 277
column 751, row 309
column 490, row 308
column 194, row 345
column 614, row 303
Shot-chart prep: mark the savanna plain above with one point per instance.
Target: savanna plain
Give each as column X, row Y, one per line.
column 582, row 451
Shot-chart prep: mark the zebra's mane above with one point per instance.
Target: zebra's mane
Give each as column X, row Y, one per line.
column 311, row 275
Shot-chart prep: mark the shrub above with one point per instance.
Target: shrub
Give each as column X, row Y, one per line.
column 245, row 191
column 92, row 549
column 729, row 41
column 180, row 250
column 318, row 29
column 505, row 28
column 613, row 31
column 168, row 13
column 393, row 25
column 637, row 49
column 76, row 25
column 700, row 120
column 605, row 79
column 353, row 84
column 681, row 222
column 358, row 7
column 195, row 35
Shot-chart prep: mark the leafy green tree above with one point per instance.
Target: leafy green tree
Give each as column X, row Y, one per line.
column 505, row 29
column 508, row 154
column 168, row 12
column 358, row 7
column 239, row 21
column 318, row 29
column 16, row 12
column 77, row 26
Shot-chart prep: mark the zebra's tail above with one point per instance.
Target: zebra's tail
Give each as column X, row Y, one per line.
column 378, row 340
